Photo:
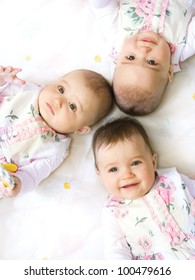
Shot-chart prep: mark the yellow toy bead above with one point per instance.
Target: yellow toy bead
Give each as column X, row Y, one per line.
column 11, row 167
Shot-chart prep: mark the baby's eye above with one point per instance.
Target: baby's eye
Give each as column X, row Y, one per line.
column 61, row 89
column 151, row 62
column 72, row 106
column 135, row 163
column 130, row 57
column 113, row 169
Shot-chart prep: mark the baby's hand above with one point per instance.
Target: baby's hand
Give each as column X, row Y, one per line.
column 7, row 192
column 8, row 74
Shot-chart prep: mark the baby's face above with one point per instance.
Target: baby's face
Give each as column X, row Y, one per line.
column 66, row 105
column 144, row 59
column 127, row 169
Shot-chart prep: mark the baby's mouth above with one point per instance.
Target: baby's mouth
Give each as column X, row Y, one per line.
column 50, row 108
column 148, row 40
column 130, row 186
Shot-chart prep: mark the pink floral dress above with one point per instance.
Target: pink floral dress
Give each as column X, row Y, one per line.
column 159, row 225
column 169, row 18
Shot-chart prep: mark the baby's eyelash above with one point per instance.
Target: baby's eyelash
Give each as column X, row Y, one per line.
column 130, row 57
column 72, row 106
column 152, row 62
column 113, row 169
column 135, row 163
column 61, row 89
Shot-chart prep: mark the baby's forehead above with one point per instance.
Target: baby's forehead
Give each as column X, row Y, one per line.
column 59, row 80
column 134, row 137
column 63, row 78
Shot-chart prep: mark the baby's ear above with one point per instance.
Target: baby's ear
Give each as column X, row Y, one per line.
column 83, row 130
column 98, row 173
column 171, row 73
column 154, row 161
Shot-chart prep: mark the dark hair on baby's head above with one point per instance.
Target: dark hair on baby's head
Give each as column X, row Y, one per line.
column 122, row 129
column 134, row 100
column 102, row 91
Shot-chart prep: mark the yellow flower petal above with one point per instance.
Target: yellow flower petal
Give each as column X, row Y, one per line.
column 67, row 185
column 28, row 58
column 97, row 58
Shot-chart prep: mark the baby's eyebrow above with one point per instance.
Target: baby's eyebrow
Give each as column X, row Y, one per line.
column 111, row 164
column 153, row 67
column 79, row 104
column 156, row 68
column 63, row 81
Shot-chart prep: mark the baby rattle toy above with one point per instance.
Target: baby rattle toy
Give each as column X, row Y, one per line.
column 5, row 176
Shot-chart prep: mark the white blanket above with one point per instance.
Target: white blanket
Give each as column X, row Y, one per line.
column 47, row 39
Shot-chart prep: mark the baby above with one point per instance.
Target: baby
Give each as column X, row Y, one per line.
column 35, row 121
column 154, row 37
column 147, row 214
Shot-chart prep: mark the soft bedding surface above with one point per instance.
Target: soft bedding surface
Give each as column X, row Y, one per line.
column 61, row 218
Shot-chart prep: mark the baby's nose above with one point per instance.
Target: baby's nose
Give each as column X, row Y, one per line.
column 58, row 103
column 145, row 49
column 127, row 174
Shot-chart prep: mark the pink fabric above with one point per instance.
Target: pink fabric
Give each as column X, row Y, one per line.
column 22, row 132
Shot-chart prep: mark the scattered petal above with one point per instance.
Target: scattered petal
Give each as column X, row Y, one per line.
column 67, row 185
column 28, row 58
column 97, row 58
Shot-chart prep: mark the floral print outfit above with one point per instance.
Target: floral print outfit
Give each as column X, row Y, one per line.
column 160, row 224
column 25, row 138
column 168, row 18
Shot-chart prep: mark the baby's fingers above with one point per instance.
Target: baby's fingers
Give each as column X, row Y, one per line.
column 7, row 192
column 9, row 75
column 14, row 78
column 3, row 190
column 7, row 69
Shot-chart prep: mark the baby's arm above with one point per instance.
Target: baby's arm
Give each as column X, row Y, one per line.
column 29, row 176
column 108, row 6
column 106, row 14
column 189, row 48
column 116, row 247
column 8, row 74
column 191, row 188
column 190, row 184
